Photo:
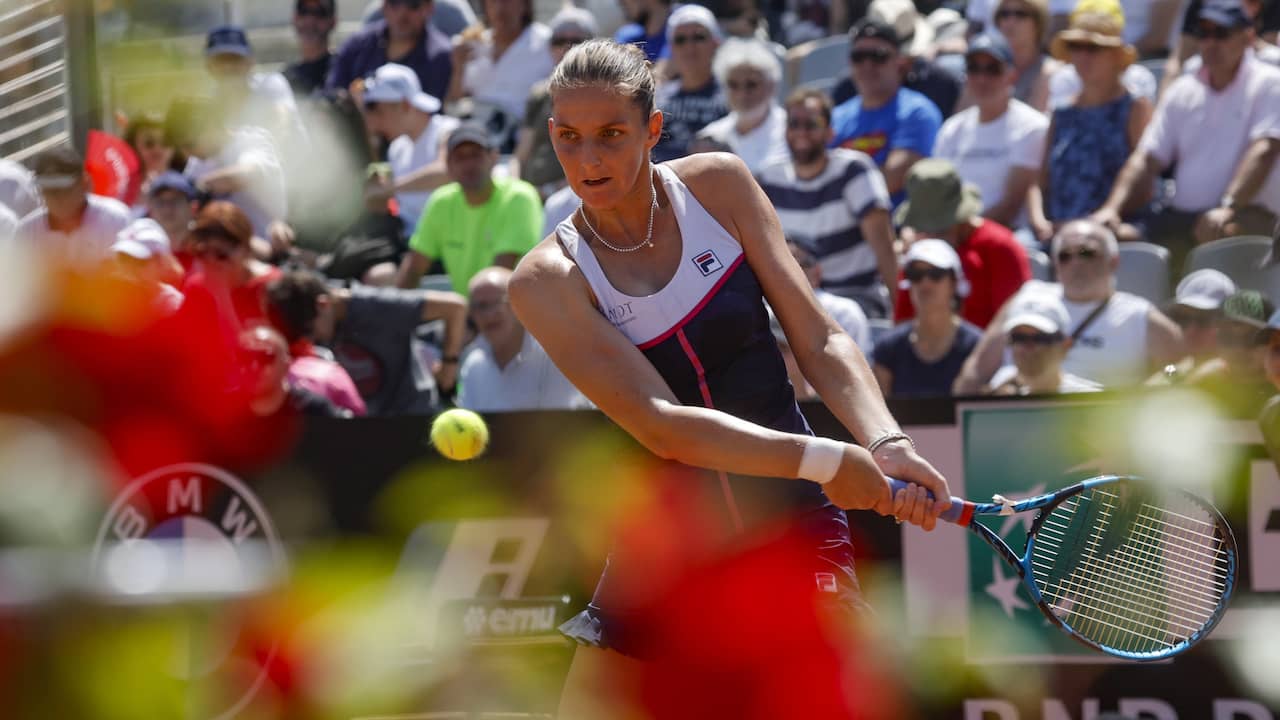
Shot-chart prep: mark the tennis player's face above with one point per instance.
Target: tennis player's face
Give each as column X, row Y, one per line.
column 602, row 139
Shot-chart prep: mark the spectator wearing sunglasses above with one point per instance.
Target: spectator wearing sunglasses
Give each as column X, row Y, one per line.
column 1118, row 339
column 1097, row 26
column 1197, row 309
column 534, row 159
column 923, row 356
column 403, row 36
column 1237, row 378
column 941, row 205
column 1090, row 138
column 997, row 145
column 226, row 279
column 695, row 98
column 73, row 228
column 755, row 128
column 145, row 134
column 313, row 23
column 1184, row 56
column 1220, row 129
column 927, row 77
column 1036, row 331
column 895, row 125
column 834, row 202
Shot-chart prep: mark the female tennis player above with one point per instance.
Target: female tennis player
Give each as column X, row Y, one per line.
column 649, row 298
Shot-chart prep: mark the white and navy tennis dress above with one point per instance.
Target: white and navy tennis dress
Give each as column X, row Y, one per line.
column 707, row 333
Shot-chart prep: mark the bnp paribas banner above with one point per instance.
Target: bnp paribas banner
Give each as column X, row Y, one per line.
column 1023, row 449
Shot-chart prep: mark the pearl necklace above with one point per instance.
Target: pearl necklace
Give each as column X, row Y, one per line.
column 648, row 235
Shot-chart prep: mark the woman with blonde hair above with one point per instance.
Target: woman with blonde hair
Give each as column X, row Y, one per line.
column 1088, row 140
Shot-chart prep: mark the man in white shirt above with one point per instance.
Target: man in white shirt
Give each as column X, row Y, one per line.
column 397, row 108
column 507, row 369
column 997, row 144
column 242, row 165
column 1117, row 338
column 250, row 97
column 74, row 227
column 1221, row 127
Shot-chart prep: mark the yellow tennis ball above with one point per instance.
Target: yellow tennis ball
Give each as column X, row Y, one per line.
column 459, row 434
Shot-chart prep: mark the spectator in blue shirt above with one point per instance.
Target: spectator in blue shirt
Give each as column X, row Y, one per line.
column 648, row 27
column 894, row 125
column 404, row 37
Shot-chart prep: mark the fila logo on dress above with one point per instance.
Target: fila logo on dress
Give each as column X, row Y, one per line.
column 707, row 263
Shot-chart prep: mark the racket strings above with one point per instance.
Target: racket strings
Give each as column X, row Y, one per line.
column 1129, row 574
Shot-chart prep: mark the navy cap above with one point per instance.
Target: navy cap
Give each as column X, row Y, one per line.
column 471, row 132
column 992, row 44
column 871, row 28
column 1226, row 13
column 228, row 40
column 172, row 180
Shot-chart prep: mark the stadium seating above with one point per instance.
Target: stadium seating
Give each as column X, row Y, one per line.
column 1144, row 271
column 818, row 60
column 1241, row 259
column 1041, row 266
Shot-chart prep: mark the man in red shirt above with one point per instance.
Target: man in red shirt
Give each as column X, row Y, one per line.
column 940, row 205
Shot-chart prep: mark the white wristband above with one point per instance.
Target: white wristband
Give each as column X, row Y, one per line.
column 821, row 459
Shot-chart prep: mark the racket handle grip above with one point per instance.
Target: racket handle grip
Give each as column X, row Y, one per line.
column 954, row 514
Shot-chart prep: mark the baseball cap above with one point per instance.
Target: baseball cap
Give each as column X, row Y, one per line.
column 228, row 40
column 1249, row 307
column 142, row 239
column 57, row 168
column 872, row 28
column 1272, row 328
column 471, row 132
column 1204, row 289
column 172, row 180
column 992, row 44
column 1225, row 13
column 575, row 18
column 939, row 254
column 693, row 15
column 393, row 83
column 1041, row 310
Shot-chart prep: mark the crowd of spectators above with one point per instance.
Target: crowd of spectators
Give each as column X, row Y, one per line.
column 357, row 214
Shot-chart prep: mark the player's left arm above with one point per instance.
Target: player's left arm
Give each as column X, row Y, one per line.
column 826, row 354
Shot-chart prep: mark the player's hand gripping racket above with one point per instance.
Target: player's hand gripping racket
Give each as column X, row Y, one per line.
column 1132, row 569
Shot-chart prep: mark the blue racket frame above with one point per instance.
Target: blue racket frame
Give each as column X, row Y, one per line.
column 963, row 512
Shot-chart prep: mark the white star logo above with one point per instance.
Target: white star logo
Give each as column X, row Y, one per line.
column 1005, row 589
column 1026, row 518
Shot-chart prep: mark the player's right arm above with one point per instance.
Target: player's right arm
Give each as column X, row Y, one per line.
column 553, row 301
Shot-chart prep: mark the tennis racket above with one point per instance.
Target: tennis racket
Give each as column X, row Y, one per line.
column 1132, row 569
